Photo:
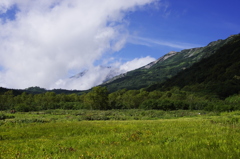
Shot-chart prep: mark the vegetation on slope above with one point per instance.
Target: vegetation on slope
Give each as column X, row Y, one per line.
column 218, row 74
column 165, row 68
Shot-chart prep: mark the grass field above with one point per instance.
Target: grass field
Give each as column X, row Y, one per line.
column 120, row 134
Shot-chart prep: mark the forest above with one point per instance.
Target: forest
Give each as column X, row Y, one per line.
column 100, row 99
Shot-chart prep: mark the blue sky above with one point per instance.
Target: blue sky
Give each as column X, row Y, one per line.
column 43, row 43
column 188, row 23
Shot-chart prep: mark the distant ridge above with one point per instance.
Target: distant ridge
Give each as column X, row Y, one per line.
column 218, row 74
column 165, row 67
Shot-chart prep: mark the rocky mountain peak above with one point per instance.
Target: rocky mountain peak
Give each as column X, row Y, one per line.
column 163, row 58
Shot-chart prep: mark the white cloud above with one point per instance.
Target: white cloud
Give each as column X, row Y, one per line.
column 49, row 38
column 98, row 74
column 151, row 42
column 136, row 63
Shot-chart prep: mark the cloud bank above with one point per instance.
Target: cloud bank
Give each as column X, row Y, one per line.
column 44, row 40
column 97, row 75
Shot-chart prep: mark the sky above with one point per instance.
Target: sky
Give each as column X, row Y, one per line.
column 45, row 42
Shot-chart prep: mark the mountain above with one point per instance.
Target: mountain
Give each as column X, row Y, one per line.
column 214, row 69
column 165, row 67
column 218, row 74
column 14, row 91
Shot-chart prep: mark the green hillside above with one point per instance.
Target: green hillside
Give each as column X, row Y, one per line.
column 218, row 74
column 14, row 91
column 38, row 90
column 164, row 68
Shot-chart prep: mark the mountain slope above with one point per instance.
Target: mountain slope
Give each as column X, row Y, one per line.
column 218, row 74
column 164, row 68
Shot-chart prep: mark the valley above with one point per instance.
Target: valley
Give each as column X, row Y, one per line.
column 184, row 105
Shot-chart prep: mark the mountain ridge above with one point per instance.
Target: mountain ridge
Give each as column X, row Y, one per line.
column 219, row 74
column 165, row 67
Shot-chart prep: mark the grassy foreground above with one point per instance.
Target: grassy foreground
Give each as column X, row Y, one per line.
column 53, row 136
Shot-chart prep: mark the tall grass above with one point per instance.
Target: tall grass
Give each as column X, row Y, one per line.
column 124, row 114
column 195, row 137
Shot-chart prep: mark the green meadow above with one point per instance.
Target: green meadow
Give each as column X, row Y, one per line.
column 76, row 134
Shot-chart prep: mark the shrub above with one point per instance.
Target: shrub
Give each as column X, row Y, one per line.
column 22, row 107
column 4, row 116
column 95, row 117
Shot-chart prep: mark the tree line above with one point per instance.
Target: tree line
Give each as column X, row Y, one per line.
column 100, row 99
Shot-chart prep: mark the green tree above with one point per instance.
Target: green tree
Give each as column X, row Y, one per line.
column 155, row 94
column 149, row 104
column 49, row 100
column 130, row 99
column 24, row 102
column 7, row 100
column 166, row 105
column 97, row 98
column 233, row 101
column 115, row 99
